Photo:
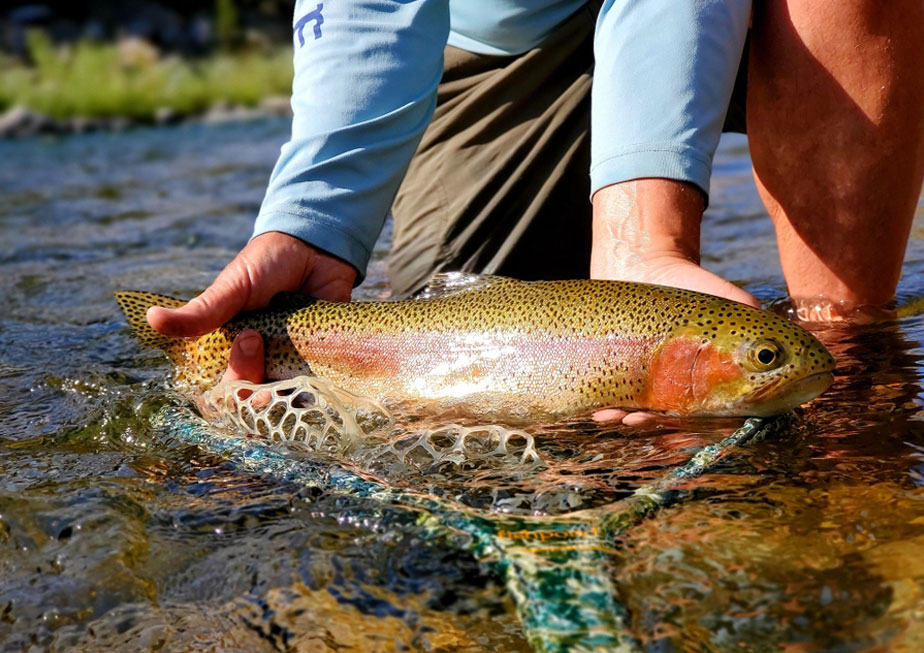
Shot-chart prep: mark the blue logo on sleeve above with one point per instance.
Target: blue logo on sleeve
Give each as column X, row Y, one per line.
column 304, row 20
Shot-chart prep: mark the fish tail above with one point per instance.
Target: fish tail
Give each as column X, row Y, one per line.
column 135, row 305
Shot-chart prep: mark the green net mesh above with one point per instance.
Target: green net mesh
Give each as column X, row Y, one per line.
column 553, row 536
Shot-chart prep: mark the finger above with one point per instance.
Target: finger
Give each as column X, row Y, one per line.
column 221, row 301
column 609, row 415
column 737, row 294
column 247, row 359
column 258, row 402
column 637, row 419
column 262, row 399
column 702, row 280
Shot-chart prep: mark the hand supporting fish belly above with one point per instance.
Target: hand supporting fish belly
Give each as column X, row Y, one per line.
column 499, row 347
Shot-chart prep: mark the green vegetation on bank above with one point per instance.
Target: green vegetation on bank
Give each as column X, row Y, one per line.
column 130, row 79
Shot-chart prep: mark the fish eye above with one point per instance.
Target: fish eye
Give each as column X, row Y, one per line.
column 765, row 355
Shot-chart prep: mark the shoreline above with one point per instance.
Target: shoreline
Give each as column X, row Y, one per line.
column 23, row 122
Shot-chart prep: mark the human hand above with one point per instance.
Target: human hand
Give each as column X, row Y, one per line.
column 270, row 263
column 647, row 230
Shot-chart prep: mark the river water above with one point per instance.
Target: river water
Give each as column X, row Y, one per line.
column 113, row 536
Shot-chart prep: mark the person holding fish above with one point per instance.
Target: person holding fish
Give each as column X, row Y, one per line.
column 489, row 117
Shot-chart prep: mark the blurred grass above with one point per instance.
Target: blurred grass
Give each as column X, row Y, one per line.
column 130, row 79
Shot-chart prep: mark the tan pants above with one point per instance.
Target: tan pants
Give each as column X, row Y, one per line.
column 500, row 182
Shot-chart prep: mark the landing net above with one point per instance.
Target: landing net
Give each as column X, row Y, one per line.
column 559, row 564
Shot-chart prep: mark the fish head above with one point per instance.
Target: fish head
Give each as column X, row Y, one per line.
column 732, row 359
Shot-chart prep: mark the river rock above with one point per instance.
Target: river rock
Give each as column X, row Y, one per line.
column 22, row 121
column 119, row 123
column 276, row 105
column 223, row 111
column 82, row 124
column 166, row 116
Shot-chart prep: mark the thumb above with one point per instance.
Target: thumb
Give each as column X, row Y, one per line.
column 221, row 301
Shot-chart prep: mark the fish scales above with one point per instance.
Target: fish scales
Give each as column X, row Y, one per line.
column 556, row 348
column 509, row 341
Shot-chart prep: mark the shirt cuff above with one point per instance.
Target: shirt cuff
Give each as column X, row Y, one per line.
column 318, row 232
column 654, row 160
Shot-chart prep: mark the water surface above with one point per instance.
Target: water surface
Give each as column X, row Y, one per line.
column 113, row 536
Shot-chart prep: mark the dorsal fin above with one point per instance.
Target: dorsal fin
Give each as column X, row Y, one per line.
column 290, row 301
column 443, row 284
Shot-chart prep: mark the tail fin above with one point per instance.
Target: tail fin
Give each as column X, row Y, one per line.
column 135, row 305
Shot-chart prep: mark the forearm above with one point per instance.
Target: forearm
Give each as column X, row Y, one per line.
column 663, row 77
column 645, row 219
column 363, row 93
column 648, row 230
column 662, row 83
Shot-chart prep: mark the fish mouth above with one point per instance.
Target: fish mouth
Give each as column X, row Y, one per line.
column 811, row 386
column 790, row 395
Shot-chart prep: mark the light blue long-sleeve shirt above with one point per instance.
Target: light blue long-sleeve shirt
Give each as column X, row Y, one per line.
column 366, row 74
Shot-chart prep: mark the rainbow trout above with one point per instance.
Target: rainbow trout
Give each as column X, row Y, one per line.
column 493, row 346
